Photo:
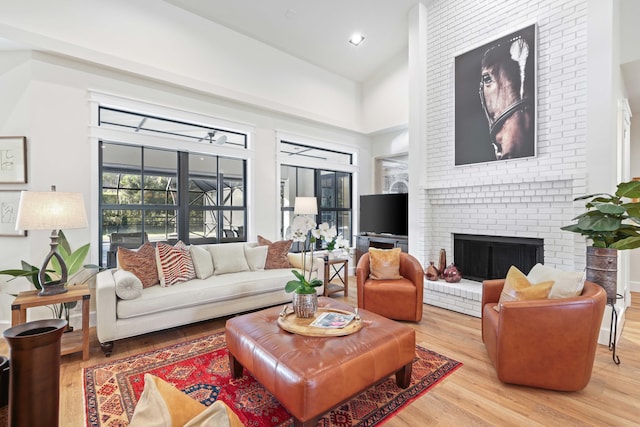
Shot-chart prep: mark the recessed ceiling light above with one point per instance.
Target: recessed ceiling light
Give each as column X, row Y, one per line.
column 356, row 39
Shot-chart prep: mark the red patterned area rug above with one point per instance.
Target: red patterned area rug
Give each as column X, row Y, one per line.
column 200, row 368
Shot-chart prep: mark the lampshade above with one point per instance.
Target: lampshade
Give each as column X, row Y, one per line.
column 305, row 206
column 51, row 210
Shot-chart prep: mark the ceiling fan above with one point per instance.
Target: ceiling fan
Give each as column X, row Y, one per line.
column 218, row 141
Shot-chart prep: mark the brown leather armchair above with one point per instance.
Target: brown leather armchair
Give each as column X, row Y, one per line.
column 548, row 343
column 398, row 299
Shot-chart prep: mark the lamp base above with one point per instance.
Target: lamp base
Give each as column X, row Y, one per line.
column 52, row 288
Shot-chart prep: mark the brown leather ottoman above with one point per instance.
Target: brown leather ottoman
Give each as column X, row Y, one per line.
column 311, row 375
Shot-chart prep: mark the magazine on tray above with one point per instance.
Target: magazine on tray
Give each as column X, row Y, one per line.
column 333, row 320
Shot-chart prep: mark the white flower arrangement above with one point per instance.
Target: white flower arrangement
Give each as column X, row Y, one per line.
column 330, row 235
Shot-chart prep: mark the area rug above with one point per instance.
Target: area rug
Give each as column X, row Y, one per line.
column 200, row 368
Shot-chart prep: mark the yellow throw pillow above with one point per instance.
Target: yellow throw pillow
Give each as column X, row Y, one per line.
column 384, row 264
column 163, row 405
column 518, row 288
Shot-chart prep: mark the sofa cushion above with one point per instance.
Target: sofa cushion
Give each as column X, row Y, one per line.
column 174, row 263
column 141, row 262
column 228, row 258
column 566, row 284
column 128, row 285
column 518, row 288
column 202, row 261
column 256, row 256
column 195, row 292
column 384, row 263
column 277, row 253
column 308, row 263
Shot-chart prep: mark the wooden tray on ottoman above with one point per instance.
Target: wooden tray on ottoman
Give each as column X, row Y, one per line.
column 301, row 326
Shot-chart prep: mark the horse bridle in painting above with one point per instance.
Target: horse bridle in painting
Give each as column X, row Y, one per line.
column 495, row 125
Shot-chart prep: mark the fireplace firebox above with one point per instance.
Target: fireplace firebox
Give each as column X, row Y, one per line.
column 481, row 257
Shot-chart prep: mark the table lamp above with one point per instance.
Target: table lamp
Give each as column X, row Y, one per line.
column 54, row 211
column 305, row 206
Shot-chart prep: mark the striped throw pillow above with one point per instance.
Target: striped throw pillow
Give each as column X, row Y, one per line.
column 174, row 263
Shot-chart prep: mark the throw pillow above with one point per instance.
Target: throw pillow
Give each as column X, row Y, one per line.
column 128, row 286
column 256, row 256
column 384, row 264
column 518, row 288
column 307, row 263
column 276, row 253
column 162, row 405
column 202, row 262
column 141, row 262
column 228, row 258
column 567, row 284
column 174, row 263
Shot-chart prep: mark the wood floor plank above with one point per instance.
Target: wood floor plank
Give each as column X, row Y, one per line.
column 471, row 396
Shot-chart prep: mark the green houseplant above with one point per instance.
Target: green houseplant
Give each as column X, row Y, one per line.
column 612, row 224
column 609, row 221
column 74, row 260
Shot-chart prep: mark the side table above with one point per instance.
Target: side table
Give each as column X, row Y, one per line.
column 72, row 342
column 338, row 265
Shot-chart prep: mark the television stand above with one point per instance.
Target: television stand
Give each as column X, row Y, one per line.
column 381, row 241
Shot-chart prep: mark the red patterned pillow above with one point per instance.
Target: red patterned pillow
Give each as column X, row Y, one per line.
column 174, row 263
column 141, row 262
column 276, row 253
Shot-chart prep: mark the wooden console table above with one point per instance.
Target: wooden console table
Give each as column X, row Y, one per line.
column 338, row 265
column 72, row 342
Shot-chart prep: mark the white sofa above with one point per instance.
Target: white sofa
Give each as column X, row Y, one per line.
column 218, row 295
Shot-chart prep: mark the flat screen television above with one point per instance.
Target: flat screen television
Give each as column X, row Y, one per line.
column 384, row 214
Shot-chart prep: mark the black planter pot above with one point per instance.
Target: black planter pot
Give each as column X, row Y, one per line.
column 34, row 378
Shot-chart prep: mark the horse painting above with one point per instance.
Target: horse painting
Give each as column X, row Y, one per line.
column 506, row 89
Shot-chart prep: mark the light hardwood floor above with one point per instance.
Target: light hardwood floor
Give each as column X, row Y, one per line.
column 472, row 396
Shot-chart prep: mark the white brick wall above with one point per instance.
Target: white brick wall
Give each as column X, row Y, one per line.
column 523, row 197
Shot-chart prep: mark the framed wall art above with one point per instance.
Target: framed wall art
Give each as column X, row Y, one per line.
column 9, row 201
column 13, row 160
column 495, row 99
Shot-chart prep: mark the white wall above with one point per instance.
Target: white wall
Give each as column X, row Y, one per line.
column 634, row 271
column 49, row 98
column 385, row 96
column 160, row 41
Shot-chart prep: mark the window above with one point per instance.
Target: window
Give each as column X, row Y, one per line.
column 151, row 193
column 144, row 199
column 332, row 188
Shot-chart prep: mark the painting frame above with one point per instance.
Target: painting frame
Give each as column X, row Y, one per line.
column 9, row 202
column 479, row 123
column 13, row 159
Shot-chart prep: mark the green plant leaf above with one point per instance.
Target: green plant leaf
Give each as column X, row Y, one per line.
column 628, row 243
column 292, row 285
column 629, row 189
column 599, row 223
column 589, row 196
column 609, row 209
column 63, row 243
column 316, row 282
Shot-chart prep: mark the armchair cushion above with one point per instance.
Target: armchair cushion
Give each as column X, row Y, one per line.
column 518, row 288
column 566, row 283
column 385, row 263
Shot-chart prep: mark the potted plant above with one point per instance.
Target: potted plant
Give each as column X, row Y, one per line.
column 78, row 272
column 612, row 224
column 305, row 297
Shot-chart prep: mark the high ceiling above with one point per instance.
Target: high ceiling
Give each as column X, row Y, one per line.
column 317, row 31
